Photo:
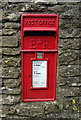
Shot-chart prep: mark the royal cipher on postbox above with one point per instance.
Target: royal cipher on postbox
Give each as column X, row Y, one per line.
column 39, row 49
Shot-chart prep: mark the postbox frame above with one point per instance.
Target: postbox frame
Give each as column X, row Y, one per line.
column 45, row 51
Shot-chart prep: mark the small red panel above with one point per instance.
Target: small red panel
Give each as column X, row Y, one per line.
column 39, row 44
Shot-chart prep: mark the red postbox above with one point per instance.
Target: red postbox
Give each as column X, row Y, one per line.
column 39, row 47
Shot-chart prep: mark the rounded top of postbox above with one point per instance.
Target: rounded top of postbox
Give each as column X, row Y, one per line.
column 39, row 15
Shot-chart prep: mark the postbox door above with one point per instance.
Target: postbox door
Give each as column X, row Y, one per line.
column 42, row 88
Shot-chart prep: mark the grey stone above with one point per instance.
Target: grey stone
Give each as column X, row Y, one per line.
column 36, row 111
column 60, row 8
column 11, row 83
column 30, row 110
column 51, row 108
column 11, row 51
column 22, row 111
column 13, row 17
column 8, row 31
column 33, row 7
column 69, row 57
column 26, row 7
column 74, row 22
column 12, row 91
column 45, row 1
column 70, row 70
column 11, row 62
column 10, row 72
column 68, row 113
column 10, row 99
column 72, row 91
column 1, row 25
column 62, row 81
column 1, row 14
column 10, row 41
column 0, row 71
column 0, row 32
column 15, row 1
column 71, row 12
column 11, row 25
column 72, row 44
column 68, row 33
column 4, row 111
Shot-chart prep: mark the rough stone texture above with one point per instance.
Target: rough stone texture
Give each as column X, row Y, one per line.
column 10, row 100
column 10, row 91
column 69, row 57
column 11, row 83
column 9, row 32
column 11, row 51
column 70, row 70
column 67, row 105
column 12, row 25
column 72, row 44
column 10, row 72
column 11, row 41
column 11, row 62
column 69, row 33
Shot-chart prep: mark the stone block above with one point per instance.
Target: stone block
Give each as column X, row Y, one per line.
column 60, row 8
column 11, row 83
column 0, row 32
column 10, row 72
column 10, row 91
column 36, row 111
column 8, row 31
column 29, row 110
column 22, row 111
column 46, row 2
column 70, row 70
column 71, row 12
column 12, row 25
column 13, row 16
column 32, row 7
column 9, row 41
column 74, row 22
column 51, row 108
column 70, row 33
column 4, row 111
column 10, row 99
column 1, row 25
column 1, row 14
column 71, row 92
column 11, row 51
column 72, row 44
column 0, row 52
column 70, row 81
column 69, row 57
column 70, row 114
column 11, row 61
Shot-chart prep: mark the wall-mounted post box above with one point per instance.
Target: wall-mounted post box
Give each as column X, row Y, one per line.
column 39, row 44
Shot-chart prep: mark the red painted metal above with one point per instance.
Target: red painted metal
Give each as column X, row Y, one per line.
column 39, row 33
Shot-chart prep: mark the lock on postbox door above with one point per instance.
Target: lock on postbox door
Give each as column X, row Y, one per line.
column 39, row 44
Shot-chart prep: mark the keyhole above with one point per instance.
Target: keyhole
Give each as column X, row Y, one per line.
column 29, row 76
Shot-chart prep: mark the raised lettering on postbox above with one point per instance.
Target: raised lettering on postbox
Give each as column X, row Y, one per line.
column 41, row 22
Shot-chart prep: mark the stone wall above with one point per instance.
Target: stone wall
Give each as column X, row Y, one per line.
column 68, row 103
